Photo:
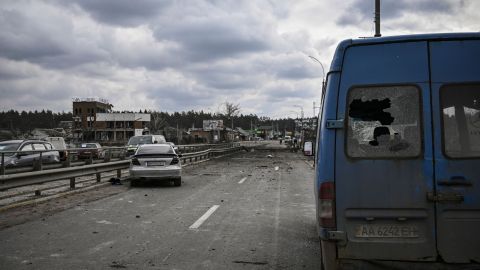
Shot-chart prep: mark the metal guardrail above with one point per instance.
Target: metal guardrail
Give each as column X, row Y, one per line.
column 74, row 159
column 39, row 177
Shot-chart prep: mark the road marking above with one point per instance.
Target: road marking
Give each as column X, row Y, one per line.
column 308, row 163
column 166, row 258
column 243, row 180
column 202, row 219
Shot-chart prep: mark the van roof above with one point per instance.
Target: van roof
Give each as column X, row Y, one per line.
column 342, row 46
column 404, row 38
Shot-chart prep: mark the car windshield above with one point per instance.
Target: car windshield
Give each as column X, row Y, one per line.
column 140, row 140
column 155, row 149
column 9, row 146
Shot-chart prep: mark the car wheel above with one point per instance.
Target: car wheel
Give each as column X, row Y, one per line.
column 134, row 182
column 177, row 182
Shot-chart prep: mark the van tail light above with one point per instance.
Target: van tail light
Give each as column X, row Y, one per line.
column 175, row 160
column 135, row 161
column 326, row 212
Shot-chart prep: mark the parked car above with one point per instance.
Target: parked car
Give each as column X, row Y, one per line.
column 94, row 150
column 60, row 145
column 28, row 152
column 156, row 161
column 135, row 141
column 174, row 146
column 398, row 153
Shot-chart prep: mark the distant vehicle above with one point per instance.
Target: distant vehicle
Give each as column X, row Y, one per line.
column 135, row 141
column 397, row 179
column 60, row 145
column 156, row 161
column 26, row 155
column 287, row 139
column 308, row 148
column 94, row 150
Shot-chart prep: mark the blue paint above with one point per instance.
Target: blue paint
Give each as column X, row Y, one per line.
column 387, row 188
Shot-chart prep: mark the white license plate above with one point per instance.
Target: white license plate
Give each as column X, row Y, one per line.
column 386, row 231
column 155, row 163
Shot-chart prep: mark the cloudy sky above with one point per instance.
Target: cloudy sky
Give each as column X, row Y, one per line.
column 193, row 54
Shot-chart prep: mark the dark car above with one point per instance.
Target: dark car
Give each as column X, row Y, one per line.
column 135, row 141
column 26, row 152
column 94, row 150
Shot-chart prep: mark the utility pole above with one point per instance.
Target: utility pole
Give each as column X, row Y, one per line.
column 178, row 137
column 377, row 18
column 315, row 107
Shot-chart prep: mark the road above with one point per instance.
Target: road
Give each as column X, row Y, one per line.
column 252, row 210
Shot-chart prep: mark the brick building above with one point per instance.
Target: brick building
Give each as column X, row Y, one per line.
column 93, row 120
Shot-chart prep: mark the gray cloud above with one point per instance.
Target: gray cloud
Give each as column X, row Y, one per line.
column 21, row 39
column 361, row 11
column 122, row 12
column 202, row 39
column 181, row 55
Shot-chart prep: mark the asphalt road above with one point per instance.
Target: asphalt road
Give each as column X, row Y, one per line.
column 248, row 211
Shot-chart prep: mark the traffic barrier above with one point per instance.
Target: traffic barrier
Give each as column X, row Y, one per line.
column 38, row 177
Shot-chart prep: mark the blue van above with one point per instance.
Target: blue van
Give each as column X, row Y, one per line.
column 397, row 179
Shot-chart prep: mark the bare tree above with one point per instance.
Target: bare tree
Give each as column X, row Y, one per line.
column 157, row 122
column 231, row 110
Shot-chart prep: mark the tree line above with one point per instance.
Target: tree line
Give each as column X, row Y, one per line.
column 24, row 122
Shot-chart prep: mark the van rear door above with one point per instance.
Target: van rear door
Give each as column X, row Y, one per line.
column 383, row 157
column 455, row 75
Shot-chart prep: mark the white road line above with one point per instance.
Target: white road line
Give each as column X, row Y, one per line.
column 243, row 180
column 202, row 219
column 309, row 164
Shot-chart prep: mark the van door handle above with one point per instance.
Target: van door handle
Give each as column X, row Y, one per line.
column 455, row 181
column 445, row 197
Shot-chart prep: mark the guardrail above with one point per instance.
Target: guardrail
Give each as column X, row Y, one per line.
column 38, row 177
column 77, row 156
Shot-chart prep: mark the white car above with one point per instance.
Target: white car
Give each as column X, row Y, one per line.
column 156, row 161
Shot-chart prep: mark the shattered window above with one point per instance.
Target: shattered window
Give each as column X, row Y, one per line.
column 384, row 122
column 461, row 120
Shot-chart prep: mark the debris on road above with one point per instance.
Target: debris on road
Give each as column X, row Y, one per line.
column 115, row 181
column 248, row 262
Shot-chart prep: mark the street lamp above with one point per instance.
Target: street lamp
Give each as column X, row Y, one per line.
column 323, row 70
column 301, row 110
column 301, row 121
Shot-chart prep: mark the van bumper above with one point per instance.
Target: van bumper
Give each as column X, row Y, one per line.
column 350, row 264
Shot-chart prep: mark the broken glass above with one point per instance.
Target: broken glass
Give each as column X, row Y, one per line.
column 383, row 122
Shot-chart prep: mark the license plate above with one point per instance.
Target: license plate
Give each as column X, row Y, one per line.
column 386, row 231
column 155, row 163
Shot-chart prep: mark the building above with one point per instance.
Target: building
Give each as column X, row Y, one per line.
column 93, row 120
column 200, row 135
column 119, row 127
